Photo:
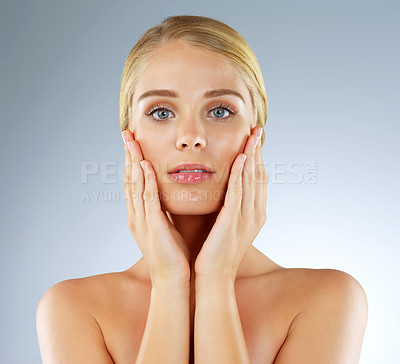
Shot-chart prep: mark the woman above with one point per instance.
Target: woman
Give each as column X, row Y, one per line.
column 192, row 112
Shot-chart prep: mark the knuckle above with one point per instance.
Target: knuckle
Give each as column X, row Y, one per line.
column 127, row 165
column 261, row 174
column 128, row 196
column 148, row 195
column 251, row 180
column 134, row 188
column 237, row 189
column 127, row 179
column 133, row 196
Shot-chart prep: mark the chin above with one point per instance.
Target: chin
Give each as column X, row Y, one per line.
column 191, row 202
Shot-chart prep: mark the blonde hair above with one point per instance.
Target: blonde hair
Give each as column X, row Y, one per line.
column 197, row 31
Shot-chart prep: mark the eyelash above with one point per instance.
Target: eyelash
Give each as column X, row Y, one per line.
column 224, row 106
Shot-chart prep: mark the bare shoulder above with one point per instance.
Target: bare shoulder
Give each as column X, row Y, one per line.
column 330, row 320
column 94, row 293
column 319, row 281
column 65, row 323
column 82, row 291
column 310, row 288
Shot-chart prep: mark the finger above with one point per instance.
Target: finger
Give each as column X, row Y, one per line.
column 261, row 183
column 152, row 206
column 249, row 178
column 137, row 178
column 234, row 193
column 127, row 183
column 167, row 215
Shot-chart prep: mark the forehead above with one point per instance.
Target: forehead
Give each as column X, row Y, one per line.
column 189, row 70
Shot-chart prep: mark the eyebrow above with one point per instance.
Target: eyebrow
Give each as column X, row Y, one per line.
column 208, row 94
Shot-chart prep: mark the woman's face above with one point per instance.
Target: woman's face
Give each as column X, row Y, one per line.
column 192, row 126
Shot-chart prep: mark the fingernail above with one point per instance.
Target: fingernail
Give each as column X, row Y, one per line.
column 124, row 137
column 144, row 165
column 255, row 141
column 244, row 156
column 259, row 133
column 130, row 146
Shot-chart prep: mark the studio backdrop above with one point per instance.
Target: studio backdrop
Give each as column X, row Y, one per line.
column 331, row 150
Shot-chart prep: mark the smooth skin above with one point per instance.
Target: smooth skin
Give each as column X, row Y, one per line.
column 197, row 252
column 221, row 255
column 224, row 249
column 191, row 131
column 191, row 134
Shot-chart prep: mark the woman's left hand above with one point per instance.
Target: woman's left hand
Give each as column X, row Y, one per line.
column 240, row 219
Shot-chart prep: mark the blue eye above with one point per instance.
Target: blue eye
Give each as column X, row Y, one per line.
column 221, row 113
column 162, row 112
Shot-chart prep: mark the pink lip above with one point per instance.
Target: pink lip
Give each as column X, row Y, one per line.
column 190, row 177
column 190, row 166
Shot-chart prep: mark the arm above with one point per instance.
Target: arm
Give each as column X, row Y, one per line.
column 331, row 328
column 67, row 332
column 166, row 336
column 219, row 335
column 218, row 331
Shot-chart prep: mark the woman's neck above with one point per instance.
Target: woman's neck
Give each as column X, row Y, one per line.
column 194, row 230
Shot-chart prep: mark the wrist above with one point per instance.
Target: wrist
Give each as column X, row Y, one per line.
column 214, row 280
column 170, row 285
column 224, row 273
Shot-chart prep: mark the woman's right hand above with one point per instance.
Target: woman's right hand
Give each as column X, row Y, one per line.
column 161, row 244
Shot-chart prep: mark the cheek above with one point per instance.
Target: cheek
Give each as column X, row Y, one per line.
column 228, row 149
column 152, row 151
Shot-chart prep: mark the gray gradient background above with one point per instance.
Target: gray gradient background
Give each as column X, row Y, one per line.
column 332, row 76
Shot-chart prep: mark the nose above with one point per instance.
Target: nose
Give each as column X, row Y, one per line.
column 190, row 135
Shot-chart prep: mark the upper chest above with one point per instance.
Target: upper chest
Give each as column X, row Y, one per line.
column 266, row 306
